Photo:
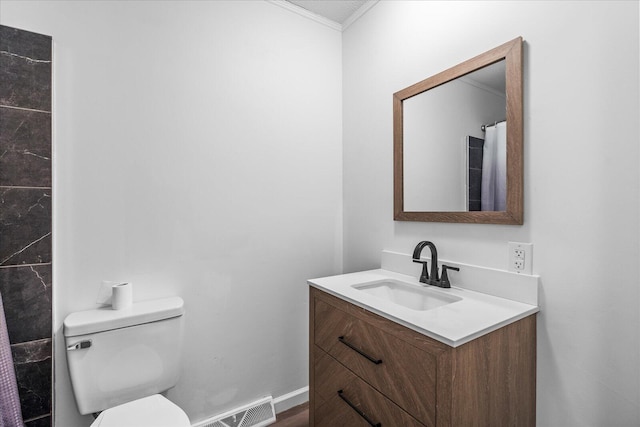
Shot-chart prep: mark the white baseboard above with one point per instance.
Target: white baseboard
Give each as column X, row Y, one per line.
column 289, row 400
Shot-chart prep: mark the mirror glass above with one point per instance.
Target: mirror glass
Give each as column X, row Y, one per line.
column 444, row 143
column 458, row 142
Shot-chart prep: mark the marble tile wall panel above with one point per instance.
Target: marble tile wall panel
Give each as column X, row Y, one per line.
column 26, row 294
column 25, row 43
column 25, row 148
column 34, row 372
column 25, row 69
column 25, row 214
column 475, row 173
column 25, row 226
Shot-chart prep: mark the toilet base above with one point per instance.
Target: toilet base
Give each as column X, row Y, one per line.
column 151, row 411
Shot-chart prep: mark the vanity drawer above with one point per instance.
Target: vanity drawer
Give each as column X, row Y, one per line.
column 399, row 370
column 343, row 399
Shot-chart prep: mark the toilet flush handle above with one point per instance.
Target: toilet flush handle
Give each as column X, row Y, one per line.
column 79, row 345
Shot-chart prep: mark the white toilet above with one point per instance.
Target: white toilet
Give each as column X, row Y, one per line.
column 119, row 360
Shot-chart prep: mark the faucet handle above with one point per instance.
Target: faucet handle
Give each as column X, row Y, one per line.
column 424, row 277
column 444, row 281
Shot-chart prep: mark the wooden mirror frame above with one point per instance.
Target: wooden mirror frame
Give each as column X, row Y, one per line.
column 511, row 52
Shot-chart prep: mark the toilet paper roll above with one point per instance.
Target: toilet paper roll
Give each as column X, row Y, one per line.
column 121, row 296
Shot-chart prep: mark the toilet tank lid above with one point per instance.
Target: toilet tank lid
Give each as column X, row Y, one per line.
column 105, row 319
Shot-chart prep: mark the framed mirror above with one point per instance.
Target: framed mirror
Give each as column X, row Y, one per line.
column 458, row 141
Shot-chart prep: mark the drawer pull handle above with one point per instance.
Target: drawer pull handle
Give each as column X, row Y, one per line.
column 362, row 353
column 358, row 411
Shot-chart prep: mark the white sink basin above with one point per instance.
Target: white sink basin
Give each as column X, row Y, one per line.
column 406, row 295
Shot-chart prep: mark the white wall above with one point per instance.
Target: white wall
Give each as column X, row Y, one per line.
column 197, row 153
column 581, row 177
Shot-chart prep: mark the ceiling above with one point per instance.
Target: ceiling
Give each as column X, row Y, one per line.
column 338, row 11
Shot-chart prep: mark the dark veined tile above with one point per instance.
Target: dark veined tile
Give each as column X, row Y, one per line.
column 25, row 226
column 25, row 69
column 39, row 422
column 32, row 351
column 25, row 148
column 26, row 297
column 34, row 383
column 25, row 43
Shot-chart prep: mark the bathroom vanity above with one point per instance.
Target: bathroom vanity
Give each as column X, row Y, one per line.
column 469, row 361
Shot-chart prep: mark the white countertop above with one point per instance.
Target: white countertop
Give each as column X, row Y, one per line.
column 454, row 324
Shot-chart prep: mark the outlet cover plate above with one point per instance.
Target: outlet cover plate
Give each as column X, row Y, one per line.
column 520, row 258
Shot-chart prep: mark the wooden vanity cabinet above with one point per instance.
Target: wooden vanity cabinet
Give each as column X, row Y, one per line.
column 366, row 370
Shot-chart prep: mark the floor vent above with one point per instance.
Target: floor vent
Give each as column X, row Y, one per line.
column 257, row 414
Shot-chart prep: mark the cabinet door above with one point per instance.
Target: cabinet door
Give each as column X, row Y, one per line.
column 400, row 371
column 343, row 399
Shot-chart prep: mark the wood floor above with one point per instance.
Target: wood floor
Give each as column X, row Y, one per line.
column 298, row 416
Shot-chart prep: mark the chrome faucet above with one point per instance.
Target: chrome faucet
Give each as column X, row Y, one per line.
column 434, row 279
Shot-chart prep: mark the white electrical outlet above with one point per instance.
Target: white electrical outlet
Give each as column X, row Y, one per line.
column 521, row 257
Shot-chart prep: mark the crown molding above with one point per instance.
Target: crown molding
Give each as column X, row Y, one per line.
column 307, row 14
column 321, row 19
column 358, row 13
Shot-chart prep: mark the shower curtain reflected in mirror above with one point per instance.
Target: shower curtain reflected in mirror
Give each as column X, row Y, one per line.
column 494, row 168
column 10, row 413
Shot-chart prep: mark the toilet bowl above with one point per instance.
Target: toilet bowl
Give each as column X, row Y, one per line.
column 151, row 411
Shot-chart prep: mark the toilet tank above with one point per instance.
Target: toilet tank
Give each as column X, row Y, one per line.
column 115, row 356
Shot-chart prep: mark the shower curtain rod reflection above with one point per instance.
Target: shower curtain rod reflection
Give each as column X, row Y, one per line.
column 484, row 127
